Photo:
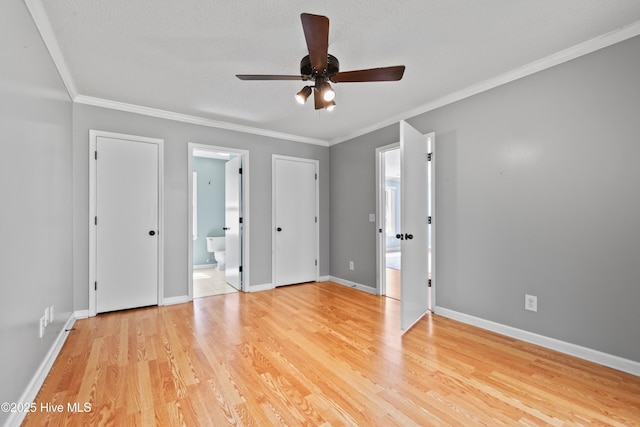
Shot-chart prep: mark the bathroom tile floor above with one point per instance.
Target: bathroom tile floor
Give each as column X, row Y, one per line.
column 208, row 282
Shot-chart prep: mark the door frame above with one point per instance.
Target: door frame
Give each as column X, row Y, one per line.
column 316, row 163
column 244, row 255
column 381, row 224
column 381, row 243
column 93, row 260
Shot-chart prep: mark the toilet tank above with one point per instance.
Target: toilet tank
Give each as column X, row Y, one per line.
column 215, row 244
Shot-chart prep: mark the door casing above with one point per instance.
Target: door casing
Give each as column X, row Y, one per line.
column 93, row 260
column 381, row 243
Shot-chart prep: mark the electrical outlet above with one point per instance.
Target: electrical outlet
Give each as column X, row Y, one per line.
column 46, row 316
column 350, row 265
column 51, row 314
column 531, row 302
column 42, row 325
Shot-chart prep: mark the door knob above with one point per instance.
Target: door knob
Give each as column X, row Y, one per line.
column 152, row 233
column 399, row 236
column 408, row 236
column 279, row 229
column 225, row 228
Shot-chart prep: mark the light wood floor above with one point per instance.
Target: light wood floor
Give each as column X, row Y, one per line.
column 318, row 354
column 393, row 283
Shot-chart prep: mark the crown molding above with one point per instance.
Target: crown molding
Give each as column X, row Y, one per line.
column 185, row 118
column 557, row 58
column 44, row 27
column 46, row 32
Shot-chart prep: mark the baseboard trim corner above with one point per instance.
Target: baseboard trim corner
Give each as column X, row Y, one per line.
column 176, row 300
column 354, row 285
column 591, row 355
column 261, row 287
column 81, row 314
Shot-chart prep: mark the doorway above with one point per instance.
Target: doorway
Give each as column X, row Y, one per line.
column 406, row 241
column 218, row 220
column 390, row 188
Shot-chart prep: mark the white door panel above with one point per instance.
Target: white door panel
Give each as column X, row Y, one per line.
column 295, row 247
column 127, row 224
column 233, row 212
column 414, row 293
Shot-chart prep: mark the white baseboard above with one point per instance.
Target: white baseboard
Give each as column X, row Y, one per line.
column 81, row 314
column 585, row 353
column 30, row 393
column 176, row 300
column 324, row 278
column 260, row 288
column 350, row 284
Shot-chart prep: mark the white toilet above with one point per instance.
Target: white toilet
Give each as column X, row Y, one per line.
column 215, row 245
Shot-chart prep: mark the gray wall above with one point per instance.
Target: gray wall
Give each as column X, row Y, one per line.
column 176, row 136
column 211, row 205
column 537, row 192
column 353, row 198
column 35, row 197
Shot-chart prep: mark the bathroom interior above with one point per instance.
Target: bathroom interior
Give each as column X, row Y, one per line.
column 209, row 256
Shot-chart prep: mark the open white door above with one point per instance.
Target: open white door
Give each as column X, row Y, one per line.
column 233, row 221
column 414, row 298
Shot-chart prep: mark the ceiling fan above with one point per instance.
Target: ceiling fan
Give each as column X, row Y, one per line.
column 322, row 68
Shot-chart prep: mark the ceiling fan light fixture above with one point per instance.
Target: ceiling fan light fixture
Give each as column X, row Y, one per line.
column 302, row 96
column 327, row 92
column 320, row 67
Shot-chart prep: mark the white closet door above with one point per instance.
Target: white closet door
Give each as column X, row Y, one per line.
column 127, row 194
column 295, row 240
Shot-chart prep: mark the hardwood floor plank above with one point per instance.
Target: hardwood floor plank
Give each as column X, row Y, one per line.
column 320, row 355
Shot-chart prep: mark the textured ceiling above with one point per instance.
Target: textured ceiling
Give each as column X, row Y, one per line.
column 182, row 56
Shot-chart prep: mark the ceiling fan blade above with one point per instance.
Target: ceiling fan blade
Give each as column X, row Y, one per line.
column 317, row 99
column 384, row 74
column 316, row 33
column 268, row 77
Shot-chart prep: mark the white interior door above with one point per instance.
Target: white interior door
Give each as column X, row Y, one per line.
column 294, row 220
column 233, row 213
column 127, row 194
column 414, row 293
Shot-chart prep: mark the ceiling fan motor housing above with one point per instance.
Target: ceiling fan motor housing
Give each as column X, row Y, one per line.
column 333, row 66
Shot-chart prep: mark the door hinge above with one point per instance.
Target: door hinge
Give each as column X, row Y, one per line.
column 429, row 220
column 95, row 154
column 240, row 269
column 316, row 262
column 95, row 220
column 240, row 220
column 316, row 176
column 240, row 171
column 429, row 282
column 429, row 155
column 316, row 220
column 95, row 286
